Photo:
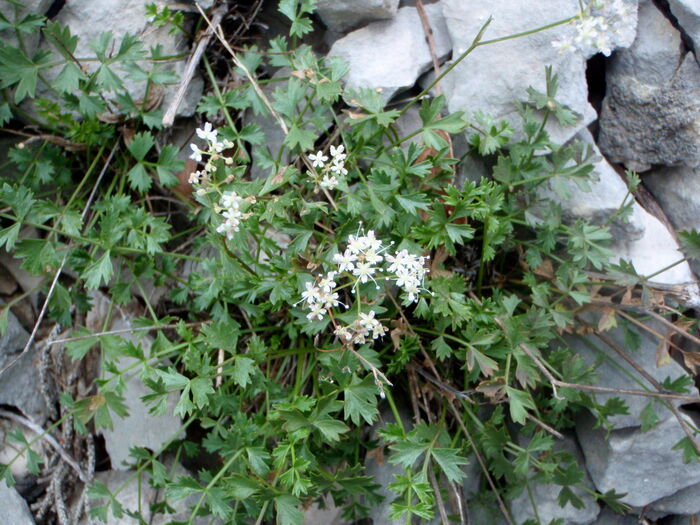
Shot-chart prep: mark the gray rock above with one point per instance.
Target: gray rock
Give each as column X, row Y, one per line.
column 13, row 13
column 614, row 372
column 328, row 515
column 676, row 190
column 651, row 111
column 683, row 520
column 643, row 239
column 545, row 498
column 18, row 385
column 139, row 428
column 132, row 489
column 616, row 463
column 608, row 517
column 341, row 15
column 687, row 12
column 494, row 77
column 685, row 501
column 390, row 55
column 13, row 509
column 88, row 19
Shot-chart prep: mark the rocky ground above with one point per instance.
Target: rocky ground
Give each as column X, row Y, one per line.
column 638, row 107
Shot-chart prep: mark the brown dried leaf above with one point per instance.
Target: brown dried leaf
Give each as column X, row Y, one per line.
column 608, row 320
column 545, row 269
column 662, row 356
column 377, row 454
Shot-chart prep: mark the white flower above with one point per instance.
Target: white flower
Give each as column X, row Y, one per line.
column 327, row 284
column 207, row 133
column 317, row 312
column 357, row 244
column 318, row 160
column 194, row 177
column 343, row 333
column 339, row 169
column 373, row 257
column 330, row 300
column 338, row 153
column 364, row 271
column 196, row 153
column 329, row 182
column 312, row 294
column 345, row 261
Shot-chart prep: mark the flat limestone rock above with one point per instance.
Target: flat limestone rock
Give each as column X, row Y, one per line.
column 651, row 111
column 87, row 19
column 496, row 76
column 13, row 509
column 687, row 12
column 641, row 464
column 614, row 372
column 676, row 190
column 139, row 428
column 390, row 55
column 643, row 240
column 19, row 386
column 545, row 497
column 341, row 15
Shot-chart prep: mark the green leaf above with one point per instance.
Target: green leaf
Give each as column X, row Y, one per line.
column 287, row 511
column 139, row 179
column 243, row 368
column 407, row 452
column 413, row 203
column 5, row 114
column 201, row 388
column 450, row 462
column 8, row 236
column 141, row 144
column 648, row 417
column 690, row 242
column 566, row 495
column 441, row 348
column 360, row 400
column 98, row 272
column 330, row 428
column 519, row 402
column 78, row 349
column 68, row 80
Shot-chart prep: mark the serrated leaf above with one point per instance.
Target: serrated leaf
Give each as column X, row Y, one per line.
column 287, row 511
column 139, row 179
column 243, row 368
column 450, row 462
column 98, row 272
column 141, row 144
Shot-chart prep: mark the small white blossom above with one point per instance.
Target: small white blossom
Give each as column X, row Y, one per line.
column 196, row 153
column 364, row 271
column 327, row 284
column 318, row 160
column 345, row 261
column 317, row 312
column 207, row 133
column 338, row 153
column 329, row 182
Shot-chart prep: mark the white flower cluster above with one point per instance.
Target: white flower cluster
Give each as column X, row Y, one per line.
column 230, row 209
column 212, row 154
column 361, row 257
column 410, row 272
column 330, row 171
column 363, row 260
column 365, row 327
column 600, row 24
column 320, row 297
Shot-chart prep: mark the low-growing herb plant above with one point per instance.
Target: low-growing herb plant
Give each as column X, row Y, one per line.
column 356, row 301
